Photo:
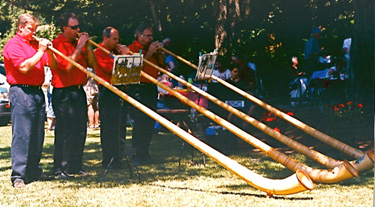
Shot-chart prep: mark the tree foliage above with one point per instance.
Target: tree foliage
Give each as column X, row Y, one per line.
column 269, row 31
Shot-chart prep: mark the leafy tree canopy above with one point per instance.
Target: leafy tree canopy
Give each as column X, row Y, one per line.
column 269, row 31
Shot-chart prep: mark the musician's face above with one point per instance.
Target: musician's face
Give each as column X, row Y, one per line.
column 72, row 29
column 146, row 37
column 28, row 30
column 113, row 40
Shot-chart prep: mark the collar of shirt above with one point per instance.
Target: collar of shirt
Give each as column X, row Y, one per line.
column 64, row 39
column 29, row 42
column 138, row 44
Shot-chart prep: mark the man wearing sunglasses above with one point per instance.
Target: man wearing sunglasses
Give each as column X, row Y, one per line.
column 69, row 97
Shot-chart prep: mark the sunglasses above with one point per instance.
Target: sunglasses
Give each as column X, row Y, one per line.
column 148, row 35
column 74, row 27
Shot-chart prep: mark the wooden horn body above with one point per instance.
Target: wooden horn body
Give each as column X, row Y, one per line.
column 350, row 151
column 295, row 183
column 318, row 157
column 342, row 172
column 359, row 165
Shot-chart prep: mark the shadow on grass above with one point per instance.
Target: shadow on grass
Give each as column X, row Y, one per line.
column 165, row 150
column 235, row 193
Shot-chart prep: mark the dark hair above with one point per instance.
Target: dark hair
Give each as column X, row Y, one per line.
column 64, row 19
column 107, row 32
column 234, row 65
column 139, row 30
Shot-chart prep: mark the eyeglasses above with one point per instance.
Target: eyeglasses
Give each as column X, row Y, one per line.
column 149, row 36
column 74, row 27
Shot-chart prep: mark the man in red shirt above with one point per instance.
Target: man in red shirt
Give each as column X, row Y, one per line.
column 146, row 92
column 24, row 60
column 112, row 108
column 69, row 97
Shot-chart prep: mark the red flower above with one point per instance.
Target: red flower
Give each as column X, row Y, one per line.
column 336, row 109
column 276, row 129
column 360, row 105
column 341, row 105
column 290, row 113
column 270, row 119
column 349, row 103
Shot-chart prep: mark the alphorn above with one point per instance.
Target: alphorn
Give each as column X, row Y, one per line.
column 341, row 172
column 293, row 184
column 362, row 164
column 350, row 151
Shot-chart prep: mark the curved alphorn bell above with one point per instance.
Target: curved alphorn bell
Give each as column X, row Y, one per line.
column 361, row 164
column 295, row 183
column 319, row 157
column 342, row 172
column 350, row 151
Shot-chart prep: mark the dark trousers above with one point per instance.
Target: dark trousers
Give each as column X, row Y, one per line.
column 70, row 107
column 28, row 116
column 113, row 119
column 143, row 124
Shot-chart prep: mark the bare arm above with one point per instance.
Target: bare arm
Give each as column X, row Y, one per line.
column 30, row 63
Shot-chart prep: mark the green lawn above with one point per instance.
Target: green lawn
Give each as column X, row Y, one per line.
column 166, row 184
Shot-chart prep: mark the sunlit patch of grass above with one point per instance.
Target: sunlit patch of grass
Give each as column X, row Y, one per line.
column 165, row 183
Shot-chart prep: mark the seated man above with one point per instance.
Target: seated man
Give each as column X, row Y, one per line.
column 328, row 73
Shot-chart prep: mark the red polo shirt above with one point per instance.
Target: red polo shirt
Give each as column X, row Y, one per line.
column 60, row 76
column 15, row 52
column 104, row 64
column 135, row 48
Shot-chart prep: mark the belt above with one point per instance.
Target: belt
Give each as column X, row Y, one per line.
column 73, row 87
column 26, row 86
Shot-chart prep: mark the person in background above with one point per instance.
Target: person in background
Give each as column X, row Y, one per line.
column 92, row 94
column 146, row 92
column 69, row 98
column 246, row 107
column 47, row 89
column 313, row 51
column 24, row 61
column 246, row 73
column 112, row 108
column 346, row 49
column 220, row 71
column 170, row 61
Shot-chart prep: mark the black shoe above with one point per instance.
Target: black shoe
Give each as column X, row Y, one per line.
column 137, row 161
column 80, row 172
column 43, row 177
column 63, row 175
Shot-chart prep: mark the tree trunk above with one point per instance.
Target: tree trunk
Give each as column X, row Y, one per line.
column 220, row 32
column 363, row 51
column 155, row 15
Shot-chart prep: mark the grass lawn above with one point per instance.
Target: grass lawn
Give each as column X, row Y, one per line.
column 166, row 184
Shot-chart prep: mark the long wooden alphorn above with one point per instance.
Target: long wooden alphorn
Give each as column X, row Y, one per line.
column 350, row 151
column 295, row 183
column 342, row 172
column 366, row 162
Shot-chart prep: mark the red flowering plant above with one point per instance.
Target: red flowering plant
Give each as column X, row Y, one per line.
column 346, row 111
column 273, row 121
